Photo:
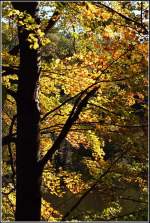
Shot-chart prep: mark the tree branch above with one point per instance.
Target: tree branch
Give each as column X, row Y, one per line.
column 111, row 124
column 74, row 40
column 96, row 82
column 11, row 93
column 141, row 13
column 105, row 109
column 14, row 50
column 92, row 187
column 132, row 199
column 78, row 106
column 53, row 110
column 55, row 17
column 145, row 31
column 52, row 21
column 91, row 124
column 71, row 98
column 7, row 139
column 9, row 70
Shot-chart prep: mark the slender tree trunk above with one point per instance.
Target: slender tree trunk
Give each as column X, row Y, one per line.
column 28, row 180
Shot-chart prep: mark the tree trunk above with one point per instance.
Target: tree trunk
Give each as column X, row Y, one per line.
column 28, row 180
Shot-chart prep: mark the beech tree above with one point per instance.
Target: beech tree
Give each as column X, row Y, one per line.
column 28, row 166
column 89, row 97
column 28, row 179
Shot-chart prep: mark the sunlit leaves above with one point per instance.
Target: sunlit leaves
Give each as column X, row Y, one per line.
column 96, row 143
column 48, row 212
column 34, row 42
column 111, row 211
column 45, row 144
column 74, row 182
column 8, row 205
column 52, row 182
column 89, row 43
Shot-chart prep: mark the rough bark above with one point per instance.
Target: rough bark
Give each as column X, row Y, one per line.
column 28, row 180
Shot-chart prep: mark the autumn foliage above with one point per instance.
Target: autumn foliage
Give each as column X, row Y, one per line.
column 93, row 94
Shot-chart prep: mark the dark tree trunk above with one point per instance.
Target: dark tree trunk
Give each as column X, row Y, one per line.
column 28, row 180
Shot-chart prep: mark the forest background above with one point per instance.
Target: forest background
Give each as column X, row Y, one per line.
column 75, row 110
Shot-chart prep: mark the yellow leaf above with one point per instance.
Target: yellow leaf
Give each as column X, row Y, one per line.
column 35, row 45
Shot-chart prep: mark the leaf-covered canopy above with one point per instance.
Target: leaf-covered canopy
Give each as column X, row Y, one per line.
column 84, row 45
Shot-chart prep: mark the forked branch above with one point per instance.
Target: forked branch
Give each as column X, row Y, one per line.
column 80, row 103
